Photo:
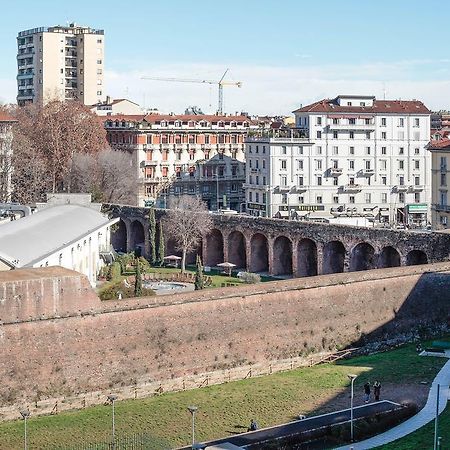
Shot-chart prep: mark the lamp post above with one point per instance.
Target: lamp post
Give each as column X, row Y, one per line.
column 352, row 380
column 25, row 415
column 193, row 410
column 112, row 398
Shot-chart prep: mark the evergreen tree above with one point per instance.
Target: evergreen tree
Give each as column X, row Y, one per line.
column 152, row 236
column 199, row 278
column 138, row 281
column 161, row 245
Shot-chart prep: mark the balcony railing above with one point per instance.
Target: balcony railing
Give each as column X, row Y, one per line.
column 400, row 188
column 335, row 170
column 439, row 207
column 416, row 187
column 351, row 187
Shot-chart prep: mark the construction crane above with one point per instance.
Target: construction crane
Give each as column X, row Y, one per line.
column 221, row 83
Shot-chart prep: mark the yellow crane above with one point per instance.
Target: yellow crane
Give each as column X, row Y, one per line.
column 221, row 83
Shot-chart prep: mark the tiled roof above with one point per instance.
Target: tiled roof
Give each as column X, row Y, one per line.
column 379, row 106
column 439, row 145
column 152, row 118
column 5, row 117
column 125, row 117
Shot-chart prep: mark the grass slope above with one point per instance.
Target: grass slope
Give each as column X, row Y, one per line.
column 223, row 409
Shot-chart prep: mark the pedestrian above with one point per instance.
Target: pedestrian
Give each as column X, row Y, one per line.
column 253, row 426
column 367, row 392
column 377, row 390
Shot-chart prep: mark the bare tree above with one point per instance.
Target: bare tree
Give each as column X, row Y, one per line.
column 186, row 221
column 109, row 176
column 48, row 136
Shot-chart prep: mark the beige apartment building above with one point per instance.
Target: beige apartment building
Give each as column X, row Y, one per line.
column 440, row 179
column 60, row 62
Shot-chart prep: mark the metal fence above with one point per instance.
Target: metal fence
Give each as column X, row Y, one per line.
column 139, row 441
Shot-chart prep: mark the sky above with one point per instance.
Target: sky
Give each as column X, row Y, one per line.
column 286, row 54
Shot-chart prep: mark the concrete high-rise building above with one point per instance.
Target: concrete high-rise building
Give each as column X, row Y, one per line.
column 60, row 62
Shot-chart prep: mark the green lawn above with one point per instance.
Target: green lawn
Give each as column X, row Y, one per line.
column 223, row 409
column 423, row 438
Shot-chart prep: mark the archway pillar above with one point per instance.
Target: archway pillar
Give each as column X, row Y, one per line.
column 147, row 252
column 270, row 244
column 403, row 260
column 295, row 271
column 347, row 257
column 225, row 246
column 128, row 228
column 204, row 249
column 319, row 259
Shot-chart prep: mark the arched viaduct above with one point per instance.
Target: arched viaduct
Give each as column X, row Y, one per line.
column 287, row 248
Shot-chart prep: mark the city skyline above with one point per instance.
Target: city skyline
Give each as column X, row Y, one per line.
column 285, row 57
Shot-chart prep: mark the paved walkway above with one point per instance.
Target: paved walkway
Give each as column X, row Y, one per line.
column 425, row 415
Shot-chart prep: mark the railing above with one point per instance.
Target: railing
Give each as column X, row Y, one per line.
column 439, row 207
column 351, row 187
column 400, row 188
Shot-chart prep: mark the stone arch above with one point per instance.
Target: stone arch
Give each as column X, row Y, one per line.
column 282, row 256
column 307, row 258
column 416, row 257
column 362, row 257
column 259, row 253
column 214, row 247
column 119, row 236
column 333, row 257
column 389, row 257
column 236, row 249
column 137, row 236
column 191, row 257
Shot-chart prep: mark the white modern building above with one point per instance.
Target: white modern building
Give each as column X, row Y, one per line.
column 363, row 157
column 60, row 62
column 70, row 236
column 111, row 107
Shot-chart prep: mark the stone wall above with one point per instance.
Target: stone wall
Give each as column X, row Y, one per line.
column 91, row 346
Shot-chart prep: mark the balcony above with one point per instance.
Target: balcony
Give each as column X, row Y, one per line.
column 352, row 127
column 150, row 163
column 368, row 171
column 416, row 187
column 439, row 207
column 400, row 188
column 351, row 187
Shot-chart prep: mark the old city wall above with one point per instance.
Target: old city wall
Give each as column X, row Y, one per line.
column 111, row 345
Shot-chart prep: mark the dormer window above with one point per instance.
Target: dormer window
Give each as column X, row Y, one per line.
column 163, row 123
column 220, row 124
column 191, row 124
column 177, row 123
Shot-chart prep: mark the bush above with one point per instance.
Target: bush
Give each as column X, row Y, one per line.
column 111, row 291
column 248, row 277
column 114, row 271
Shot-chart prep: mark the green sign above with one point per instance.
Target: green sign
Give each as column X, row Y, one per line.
column 302, row 208
column 418, row 208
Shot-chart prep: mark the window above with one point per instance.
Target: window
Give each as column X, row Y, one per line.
column 383, row 121
column 367, row 121
column 335, row 181
column 283, row 180
column 300, row 181
column 367, row 164
column 384, row 181
column 99, row 41
column 300, row 164
column 99, row 61
column 401, row 180
column 401, row 151
column 257, row 197
column 283, row 164
column 416, row 164
column 264, row 149
column 264, row 181
column 335, row 134
column 443, row 163
column 256, row 149
column 351, row 199
column 319, row 150
column 367, row 150
column 264, row 197
column 417, row 197
column 319, row 135
column 351, row 135
column 401, row 122
column 383, row 197
column 416, row 151
column 99, row 71
column 335, row 163
column 351, row 181
column 335, row 199
column 250, row 195
column 352, row 121
column 263, row 163
column 367, row 134
column 335, row 121
column 383, row 135
column 416, row 181
column 349, row 103
column 416, row 135
column 401, row 165
column 383, row 164
column 301, row 199
column 401, row 197
column 284, row 198
column 318, row 163
column 352, row 150
column 300, row 150
column 335, row 150
column 318, row 120
column 416, row 122
column 368, row 197
column 319, row 199
column 250, row 163
column 401, row 135
column 319, row 181
column 99, row 92
column 443, row 179
column 351, row 164
column 383, row 150
column 283, row 150
column 249, row 148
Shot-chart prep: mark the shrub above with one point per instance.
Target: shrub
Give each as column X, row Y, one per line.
column 248, row 277
column 111, row 291
column 114, row 271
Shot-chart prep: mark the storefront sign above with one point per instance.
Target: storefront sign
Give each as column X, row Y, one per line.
column 418, row 208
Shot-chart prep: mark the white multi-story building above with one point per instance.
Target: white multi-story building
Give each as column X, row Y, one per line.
column 6, row 136
column 364, row 157
column 60, row 62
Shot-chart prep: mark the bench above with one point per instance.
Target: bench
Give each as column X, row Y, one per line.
column 441, row 345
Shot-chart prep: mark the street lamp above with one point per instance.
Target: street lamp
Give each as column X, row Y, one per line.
column 112, row 398
column 25, row 415
column 193, row 410
column 352, row 380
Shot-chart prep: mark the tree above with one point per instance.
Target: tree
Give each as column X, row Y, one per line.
column 152, row 235
column 161, row 245
column 108, row 175
column 45, row 140
column 138, row 279
column 199, row 279
column 186, row 221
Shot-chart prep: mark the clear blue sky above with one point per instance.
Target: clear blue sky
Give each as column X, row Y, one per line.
column 391, row 41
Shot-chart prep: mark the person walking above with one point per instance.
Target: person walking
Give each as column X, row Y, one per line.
column 367, row 392
column 377, row 390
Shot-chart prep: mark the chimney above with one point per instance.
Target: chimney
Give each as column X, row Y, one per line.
column 108, row 100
